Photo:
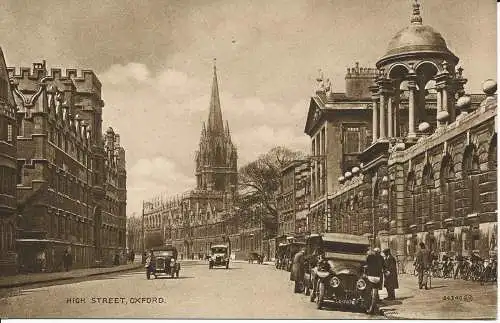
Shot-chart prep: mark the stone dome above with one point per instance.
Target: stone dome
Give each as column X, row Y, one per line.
column 417, row 38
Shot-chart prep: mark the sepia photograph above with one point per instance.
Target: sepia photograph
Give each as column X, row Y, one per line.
column 250, row 159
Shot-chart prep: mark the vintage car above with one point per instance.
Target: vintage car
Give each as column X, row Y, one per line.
column 219, row 256
column 255, row 256
column 335, row 270
column 280, row 255
column 164, row 262
column 292, row 249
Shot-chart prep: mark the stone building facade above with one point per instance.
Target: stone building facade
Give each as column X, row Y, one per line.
column 8, row 173
column 435, row 182
column 204, row 215
column 71, row 179
column 293, row 200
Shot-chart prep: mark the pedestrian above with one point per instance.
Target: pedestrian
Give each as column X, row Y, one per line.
column 67, row 260
column 132, row 256
column 297, row 272
column 375, row 269
column 423, row 263
column 391, row 275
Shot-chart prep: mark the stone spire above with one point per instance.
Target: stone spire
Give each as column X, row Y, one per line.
column 416, row 18
column 215, row 124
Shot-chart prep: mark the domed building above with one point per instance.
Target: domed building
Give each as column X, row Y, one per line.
column 429, row 173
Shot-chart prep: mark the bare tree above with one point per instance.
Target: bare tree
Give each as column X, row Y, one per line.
column 260, row 179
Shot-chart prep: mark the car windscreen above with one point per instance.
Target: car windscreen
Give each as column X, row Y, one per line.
column 163, row 253
column 342, row 247
column 219, row 250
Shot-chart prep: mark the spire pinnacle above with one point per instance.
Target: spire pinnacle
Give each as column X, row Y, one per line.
column 416, row 18
column 215, row 124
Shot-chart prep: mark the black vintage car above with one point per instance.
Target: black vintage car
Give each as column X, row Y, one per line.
column 164, row 262
column 335, row 270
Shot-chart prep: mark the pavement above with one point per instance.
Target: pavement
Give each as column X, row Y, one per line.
column 446, row 299
column 36, row 278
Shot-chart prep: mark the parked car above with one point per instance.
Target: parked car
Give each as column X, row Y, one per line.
column 254, row 256
column 335, row 270
column 219, row 256
column 280, row 255
column 164, row 262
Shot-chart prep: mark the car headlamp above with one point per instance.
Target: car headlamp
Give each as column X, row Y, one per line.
column 335, row 282
column 361, row 284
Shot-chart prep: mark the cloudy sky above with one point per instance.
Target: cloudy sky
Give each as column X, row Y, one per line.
column 154, row 58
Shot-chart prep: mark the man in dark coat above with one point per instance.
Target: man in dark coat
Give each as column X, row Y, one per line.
column 423, row 261
column 297, row 272
column 391, row 275
column 375, row 266
column 67, row 260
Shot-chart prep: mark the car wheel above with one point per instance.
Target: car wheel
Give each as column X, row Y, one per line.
column 321, row 295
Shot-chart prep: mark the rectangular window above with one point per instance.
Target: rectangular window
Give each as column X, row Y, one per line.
column 352, row 140
column 9, row 133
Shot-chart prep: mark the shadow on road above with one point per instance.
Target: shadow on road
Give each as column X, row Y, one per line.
column 170, row 278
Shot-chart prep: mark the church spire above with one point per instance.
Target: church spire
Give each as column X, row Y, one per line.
column 215, row 124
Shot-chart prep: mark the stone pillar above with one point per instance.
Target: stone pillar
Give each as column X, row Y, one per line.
column 397, row 94
column 411, row 110
column 374, row 121
column 390, row 122
column 444, row 98
column 438, row 107
column 382, row 116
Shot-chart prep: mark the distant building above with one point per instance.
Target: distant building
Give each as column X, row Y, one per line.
column 8, row 174
column 71, row 182
column 293, row 200
column 204, row 215
column 134, row 235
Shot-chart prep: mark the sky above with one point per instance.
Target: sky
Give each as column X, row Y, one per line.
column 155, row 57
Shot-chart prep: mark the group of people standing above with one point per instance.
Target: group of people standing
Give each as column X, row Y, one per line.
column 385, row 268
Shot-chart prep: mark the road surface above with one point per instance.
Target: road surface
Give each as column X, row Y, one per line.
column 243, row 291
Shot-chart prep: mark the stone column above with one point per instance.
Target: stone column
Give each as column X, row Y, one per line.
column 444, row 106
column 390, row 122
column 411, row 110
column 397, row 94
column 374, row 121
column 382, row 116
column 438, row 106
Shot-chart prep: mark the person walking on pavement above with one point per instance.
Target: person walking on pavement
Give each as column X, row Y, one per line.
column 297, row 272
column 391, row 275
column 67, row 260
column 375, row 273
column 423, row 263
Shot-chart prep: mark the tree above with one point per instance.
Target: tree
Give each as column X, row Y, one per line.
column 259, row 181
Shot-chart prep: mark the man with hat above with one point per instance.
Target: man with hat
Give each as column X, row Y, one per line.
column 375, row 267
column 391, row 274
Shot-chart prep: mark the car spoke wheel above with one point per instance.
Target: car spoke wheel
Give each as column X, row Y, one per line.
column 321, row 295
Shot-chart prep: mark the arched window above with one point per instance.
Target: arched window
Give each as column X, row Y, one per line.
column 470, row 173
column 427, row 187
column 411, row 198
column 492, row 153
column 447, row 187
